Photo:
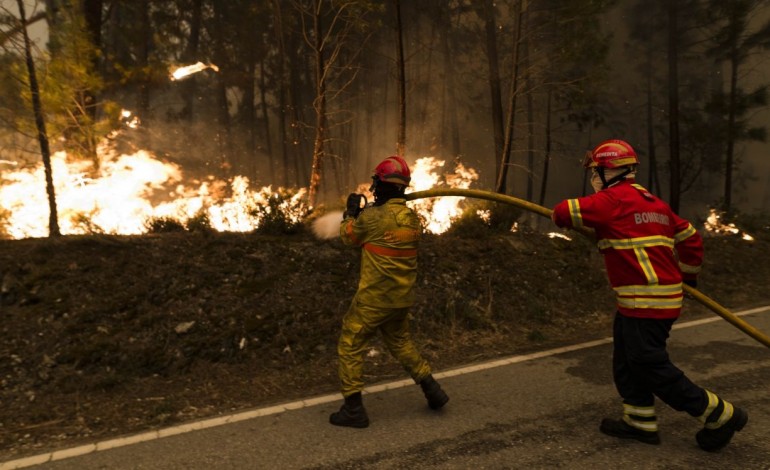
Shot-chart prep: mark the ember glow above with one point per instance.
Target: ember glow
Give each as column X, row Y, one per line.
column 182, row 72
column 130, row 191
column 129, row 119
column 559, row 235
column 715, row 226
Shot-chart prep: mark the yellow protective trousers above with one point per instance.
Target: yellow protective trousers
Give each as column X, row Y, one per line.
column 359, row 325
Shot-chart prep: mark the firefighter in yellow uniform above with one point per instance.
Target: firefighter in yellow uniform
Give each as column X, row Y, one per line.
column 388, row 233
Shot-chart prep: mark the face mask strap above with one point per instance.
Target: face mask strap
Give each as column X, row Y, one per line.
column 616, row 178
column 373, row 187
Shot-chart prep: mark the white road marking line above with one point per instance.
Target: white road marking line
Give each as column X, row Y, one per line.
column 234, row 418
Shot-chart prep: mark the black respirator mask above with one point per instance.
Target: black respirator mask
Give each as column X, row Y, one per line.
column 384, row 191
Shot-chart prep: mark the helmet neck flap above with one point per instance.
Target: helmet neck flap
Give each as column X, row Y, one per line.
column 610, row 177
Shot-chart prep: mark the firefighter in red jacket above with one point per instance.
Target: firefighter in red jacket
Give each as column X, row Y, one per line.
column 648, row 252
column 388, row 233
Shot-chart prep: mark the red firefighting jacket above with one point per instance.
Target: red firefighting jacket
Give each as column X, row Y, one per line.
column 647, row 248
column 389, row 236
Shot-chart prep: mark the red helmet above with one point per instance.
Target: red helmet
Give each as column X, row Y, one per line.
column 611, row 154
column 393, row 170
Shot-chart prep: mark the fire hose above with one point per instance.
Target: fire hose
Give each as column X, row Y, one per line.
column 540, row 210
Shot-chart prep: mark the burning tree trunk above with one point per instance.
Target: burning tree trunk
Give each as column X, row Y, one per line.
column 37, row 107
column 401, row 143
column 320, row 109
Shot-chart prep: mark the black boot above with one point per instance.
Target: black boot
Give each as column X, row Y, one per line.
column 623, row 430
column 352, row 413
column 433, row 392
column 714, row 439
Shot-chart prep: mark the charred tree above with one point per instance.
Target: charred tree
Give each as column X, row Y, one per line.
column 547, row 158
column 488, row 14
column 653, row 179
column 37, row 109
column 92, row 10
column 145, row 47
column 282, row 91
column 266, row 117
column 505, row 157
column 450, row 123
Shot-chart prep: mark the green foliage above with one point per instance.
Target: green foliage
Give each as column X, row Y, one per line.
column 480, row 218
column 69, row 86
column 536, row 336
column 83, row 222
column 163, row 225
column 503, row 216
column 282, row 214
column 469, row 224
column 199, row 223
column 12, row 105
column 575, row 47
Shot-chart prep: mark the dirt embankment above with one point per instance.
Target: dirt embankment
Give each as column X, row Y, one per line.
column 103, row 335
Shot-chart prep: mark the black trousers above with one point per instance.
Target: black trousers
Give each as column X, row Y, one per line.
column 642, row 369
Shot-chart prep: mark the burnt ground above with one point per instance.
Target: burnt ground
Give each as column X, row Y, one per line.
column 108, row 335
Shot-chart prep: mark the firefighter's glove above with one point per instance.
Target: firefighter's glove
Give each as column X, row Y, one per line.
column 353, row 205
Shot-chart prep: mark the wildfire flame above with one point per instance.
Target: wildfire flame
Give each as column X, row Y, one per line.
column 182, row 72
column 439, row 213
column 129, row 119
column 129, row 191
column 715, row 226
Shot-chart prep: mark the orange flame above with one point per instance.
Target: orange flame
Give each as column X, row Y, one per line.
column 132, row 190
column 439, row 213
column 715, row 226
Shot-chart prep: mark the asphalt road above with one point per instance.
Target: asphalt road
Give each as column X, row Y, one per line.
column 537, row 411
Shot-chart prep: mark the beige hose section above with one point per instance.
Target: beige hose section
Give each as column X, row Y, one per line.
column 526, row 205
